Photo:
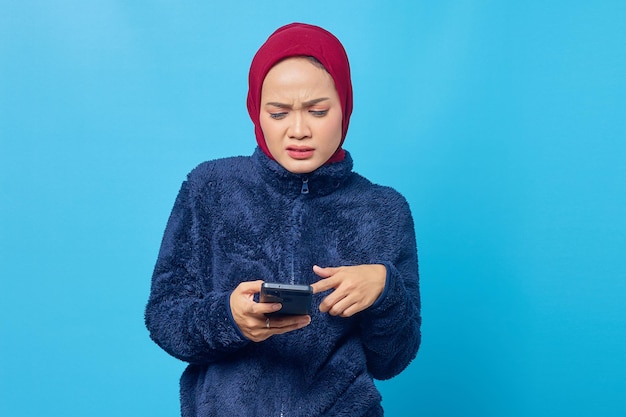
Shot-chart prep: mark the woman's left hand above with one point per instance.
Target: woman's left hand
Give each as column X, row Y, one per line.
column 355, row 288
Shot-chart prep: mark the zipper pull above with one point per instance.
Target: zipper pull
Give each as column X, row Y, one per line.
column 305, row 186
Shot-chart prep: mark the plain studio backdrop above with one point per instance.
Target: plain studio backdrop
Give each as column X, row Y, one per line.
column 503, row 123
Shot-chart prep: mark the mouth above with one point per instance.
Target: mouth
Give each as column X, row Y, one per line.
column 300, row 152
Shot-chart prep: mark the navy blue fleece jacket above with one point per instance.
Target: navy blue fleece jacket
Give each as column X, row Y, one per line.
column 246, row 218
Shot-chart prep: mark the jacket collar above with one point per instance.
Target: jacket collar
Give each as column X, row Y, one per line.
column 322, row 181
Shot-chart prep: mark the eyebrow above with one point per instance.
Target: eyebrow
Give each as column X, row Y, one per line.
column 289, row 106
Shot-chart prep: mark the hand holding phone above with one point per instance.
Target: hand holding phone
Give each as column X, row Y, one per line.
column 252, row 318
column 295, row 299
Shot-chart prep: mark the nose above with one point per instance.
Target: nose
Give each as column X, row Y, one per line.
column 299, row 128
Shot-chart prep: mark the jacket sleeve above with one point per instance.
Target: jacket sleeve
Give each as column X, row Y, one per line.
column 390, row 329
column 188, row 320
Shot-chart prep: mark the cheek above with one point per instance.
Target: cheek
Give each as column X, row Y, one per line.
column 268, row 129
column 263, row 123
column 334, row 130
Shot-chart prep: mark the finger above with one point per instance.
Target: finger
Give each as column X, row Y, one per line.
column 283, row 324
column 321, row 286
column 324, row 272
column 277, row 325
column 330, row 302
column 325, row 284
column 345, row 308
column 351, row 310
column 265, row 308
column 250, row 287
column 288, row 328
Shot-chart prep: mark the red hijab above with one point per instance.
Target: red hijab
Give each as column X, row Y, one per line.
column 299, row 39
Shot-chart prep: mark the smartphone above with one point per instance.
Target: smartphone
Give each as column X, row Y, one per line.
column 295, row 299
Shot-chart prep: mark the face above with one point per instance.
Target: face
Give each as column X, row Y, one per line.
column 300, row 115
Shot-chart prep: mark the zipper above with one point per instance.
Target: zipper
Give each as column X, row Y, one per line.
column 296, row 212
column 305, row 185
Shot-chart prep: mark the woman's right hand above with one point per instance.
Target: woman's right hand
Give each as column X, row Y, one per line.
column 250, row 316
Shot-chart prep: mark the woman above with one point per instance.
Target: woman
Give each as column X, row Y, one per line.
column 293, row 212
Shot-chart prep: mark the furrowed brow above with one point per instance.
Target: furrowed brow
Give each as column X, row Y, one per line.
column 289, row 106
column 279, row 105
column 314, row 101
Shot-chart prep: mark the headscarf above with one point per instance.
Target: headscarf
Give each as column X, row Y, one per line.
column 300, row 39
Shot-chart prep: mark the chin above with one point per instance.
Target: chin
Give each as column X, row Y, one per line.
column 301, row 167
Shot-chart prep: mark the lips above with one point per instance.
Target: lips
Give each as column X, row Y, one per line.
column 300, row 152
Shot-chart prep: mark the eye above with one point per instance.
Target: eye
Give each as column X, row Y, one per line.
column 318, row 113
column 278, row 116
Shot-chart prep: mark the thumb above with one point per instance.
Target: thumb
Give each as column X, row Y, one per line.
column 250, row 287
column 323, row 272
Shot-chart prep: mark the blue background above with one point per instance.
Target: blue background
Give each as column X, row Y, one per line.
column 503, row 123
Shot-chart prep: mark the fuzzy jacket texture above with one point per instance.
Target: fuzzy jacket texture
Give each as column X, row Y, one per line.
column 246, row 218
